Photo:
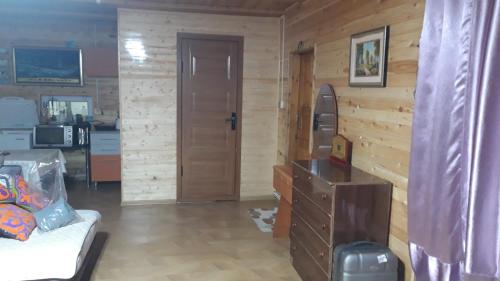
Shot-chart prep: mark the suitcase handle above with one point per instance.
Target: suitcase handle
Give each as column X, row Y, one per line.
column 363, row 243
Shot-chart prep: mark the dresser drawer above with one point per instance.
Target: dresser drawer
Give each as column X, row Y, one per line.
column 306, row 267
column 316, row 247
column 317, row 190
column 105, row 143
column 317, row 219
column 105, row 149
column 16, row 141
column 106, row 136
column 111, row 138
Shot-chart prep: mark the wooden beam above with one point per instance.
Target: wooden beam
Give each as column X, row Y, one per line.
column 55, row 8
column 195, row 8
column 60, row 14
column 106, row 9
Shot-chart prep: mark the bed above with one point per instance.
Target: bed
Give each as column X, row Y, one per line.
column 59, row 254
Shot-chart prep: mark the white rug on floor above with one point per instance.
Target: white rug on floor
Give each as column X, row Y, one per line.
column 263, row 218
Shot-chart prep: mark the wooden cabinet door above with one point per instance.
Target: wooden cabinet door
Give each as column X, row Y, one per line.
column 300, row 108
column 105, row 168
column 304, row 106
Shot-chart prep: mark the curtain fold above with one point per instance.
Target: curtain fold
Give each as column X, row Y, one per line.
column 454, row 182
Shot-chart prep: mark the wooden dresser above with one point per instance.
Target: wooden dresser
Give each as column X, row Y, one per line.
column 333, row 205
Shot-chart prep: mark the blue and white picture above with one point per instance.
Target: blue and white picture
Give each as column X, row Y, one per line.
column 47, row 66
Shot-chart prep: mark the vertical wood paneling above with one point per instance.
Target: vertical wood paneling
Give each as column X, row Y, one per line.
column 377, row 120
column 147, row 47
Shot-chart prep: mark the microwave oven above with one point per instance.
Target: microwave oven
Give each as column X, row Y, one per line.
column 60, row 136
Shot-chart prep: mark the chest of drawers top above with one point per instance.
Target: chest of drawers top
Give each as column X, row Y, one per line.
column 335, row 174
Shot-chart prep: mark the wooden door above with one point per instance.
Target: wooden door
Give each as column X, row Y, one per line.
column 301, row 106
column 210, row 97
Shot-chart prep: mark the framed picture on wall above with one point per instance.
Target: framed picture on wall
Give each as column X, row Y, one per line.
column 47, row 66
column 368, row 60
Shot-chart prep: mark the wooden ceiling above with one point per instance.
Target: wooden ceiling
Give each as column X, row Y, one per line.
column 103, row 8
column 239, row 7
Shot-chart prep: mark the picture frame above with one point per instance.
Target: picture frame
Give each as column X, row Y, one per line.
column 368, row 58
column 341, row 152
column 47, row 66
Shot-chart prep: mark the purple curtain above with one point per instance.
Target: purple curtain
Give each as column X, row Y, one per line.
column 454, row 183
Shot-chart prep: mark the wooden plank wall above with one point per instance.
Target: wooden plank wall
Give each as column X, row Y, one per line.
column 377, row 120
column 19, row 29
column 42, row 31
column 147, row 48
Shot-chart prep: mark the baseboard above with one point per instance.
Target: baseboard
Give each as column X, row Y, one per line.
column 257, row 197
column 148, row 202
column 174, row 201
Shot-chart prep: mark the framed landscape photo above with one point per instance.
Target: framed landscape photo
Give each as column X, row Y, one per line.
column 368, row 60
column 47, row 66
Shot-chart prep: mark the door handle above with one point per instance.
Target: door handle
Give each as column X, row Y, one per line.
column 233, row 120
column 299, row 122
column 316, row 122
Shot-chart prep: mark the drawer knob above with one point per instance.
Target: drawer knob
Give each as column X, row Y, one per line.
column 323, row 196
column 324, row 226
column 296, row 201
column 309, row 178
column 322, row 254
column 294, row 225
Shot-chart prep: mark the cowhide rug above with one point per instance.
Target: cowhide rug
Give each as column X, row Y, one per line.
column 263, row 218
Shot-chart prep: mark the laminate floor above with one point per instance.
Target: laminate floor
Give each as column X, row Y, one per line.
column 209, row 242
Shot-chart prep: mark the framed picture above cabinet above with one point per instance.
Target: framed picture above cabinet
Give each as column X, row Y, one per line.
column 368, row 59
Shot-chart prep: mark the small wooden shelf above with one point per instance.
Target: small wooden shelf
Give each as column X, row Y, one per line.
column 282, row 182
column 105, row 158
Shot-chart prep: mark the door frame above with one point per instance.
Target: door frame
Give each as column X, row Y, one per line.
column 295, row 66
column 239, row 94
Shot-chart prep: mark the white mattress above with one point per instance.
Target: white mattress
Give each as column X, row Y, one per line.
column 55, row 254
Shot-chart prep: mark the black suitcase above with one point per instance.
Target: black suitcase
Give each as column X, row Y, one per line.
column 364, row 261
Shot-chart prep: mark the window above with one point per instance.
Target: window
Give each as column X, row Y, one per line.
column 64, row 109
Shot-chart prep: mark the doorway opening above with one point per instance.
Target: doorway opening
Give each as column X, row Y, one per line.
column 300, row 104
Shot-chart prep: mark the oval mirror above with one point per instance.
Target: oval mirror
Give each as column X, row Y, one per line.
column 325, row 122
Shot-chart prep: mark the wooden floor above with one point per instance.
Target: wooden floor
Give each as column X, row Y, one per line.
column 209, row 242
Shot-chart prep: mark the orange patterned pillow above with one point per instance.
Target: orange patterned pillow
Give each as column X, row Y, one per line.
column 15, row 222
column 30, row 200
column 6, row 195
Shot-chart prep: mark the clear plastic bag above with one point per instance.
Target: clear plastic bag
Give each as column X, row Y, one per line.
column 40, row 188
column 42, row 169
